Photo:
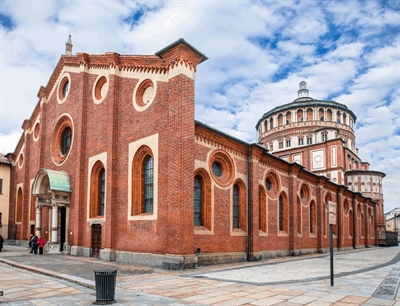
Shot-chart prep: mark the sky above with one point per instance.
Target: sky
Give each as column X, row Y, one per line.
column 259, row 51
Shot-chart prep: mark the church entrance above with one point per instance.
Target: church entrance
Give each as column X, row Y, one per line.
column 96, row 240
column 53, row 194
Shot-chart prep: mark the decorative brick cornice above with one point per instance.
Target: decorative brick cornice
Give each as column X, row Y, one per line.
column 207, row 136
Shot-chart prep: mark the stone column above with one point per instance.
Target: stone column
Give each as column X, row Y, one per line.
column 54, row 223
column 38, row 220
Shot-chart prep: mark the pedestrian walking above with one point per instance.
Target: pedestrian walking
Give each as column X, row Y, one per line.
column 30, row 244
column 40, row 243
column 1, row 242
column 34, row 246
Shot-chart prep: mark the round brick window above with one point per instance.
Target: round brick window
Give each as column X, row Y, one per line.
column 222, row 168
column 272, row 184
column 21, row 160
column 36, row 131
column 144, row 94
column 61, row 143
column 100, row 89
column 304, row 193
column 63, row 88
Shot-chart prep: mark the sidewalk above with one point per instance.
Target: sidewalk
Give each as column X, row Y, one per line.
column 67, row 280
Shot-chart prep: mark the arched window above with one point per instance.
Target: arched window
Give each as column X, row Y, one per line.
column 313, row 217
column 19, row 205
column 351, row 223
column 202, row 199
column 321, row 114
column 102, row 189
column 198, row 201
column 97, row 190
column 143, row 181
column 262, row 214
column 299, row 221
column 288, row 117
column 329, row 115
column 338, row 117
column 310, row 114
column 239, row 210
column 148, row 185
column 271, row 123
column 283, row 214
column 300, row 115
column 280, row 119
column 66, row 141
column 362, row 225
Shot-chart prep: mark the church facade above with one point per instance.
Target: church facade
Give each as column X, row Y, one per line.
column 112, row 164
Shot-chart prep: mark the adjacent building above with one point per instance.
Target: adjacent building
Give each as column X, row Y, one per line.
column 112, row 164
column 5, row 179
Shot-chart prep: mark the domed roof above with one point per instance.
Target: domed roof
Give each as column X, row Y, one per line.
column 304, row 101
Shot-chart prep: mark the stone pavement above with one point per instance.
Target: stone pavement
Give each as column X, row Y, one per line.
column 362, row 277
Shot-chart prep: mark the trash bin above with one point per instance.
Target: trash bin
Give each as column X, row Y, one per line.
column 105, row 281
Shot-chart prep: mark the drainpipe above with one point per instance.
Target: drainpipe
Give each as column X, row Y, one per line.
column 248, row 205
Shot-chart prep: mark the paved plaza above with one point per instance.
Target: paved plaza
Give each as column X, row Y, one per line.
column 362, row 277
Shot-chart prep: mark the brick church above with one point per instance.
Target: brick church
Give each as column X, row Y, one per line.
column 112, row 164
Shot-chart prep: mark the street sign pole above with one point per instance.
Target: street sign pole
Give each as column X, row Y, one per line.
column 331, row 252
column 332, row 221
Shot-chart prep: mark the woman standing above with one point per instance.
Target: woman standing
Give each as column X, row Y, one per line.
column 40, row 243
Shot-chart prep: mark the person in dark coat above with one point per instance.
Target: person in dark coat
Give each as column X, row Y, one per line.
column 1, row 242
column 30, row 244
column 34, row 246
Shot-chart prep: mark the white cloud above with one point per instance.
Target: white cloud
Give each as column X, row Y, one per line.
column 258, row 52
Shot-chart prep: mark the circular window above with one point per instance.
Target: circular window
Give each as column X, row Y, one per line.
column 100, row 89
column 63, row 88
column 272, row 184
column 216, row 168
column 36, row 131
column 62, row 140
column 222, row 168
column 21, row 160
column 144, row 94
column 304, row 193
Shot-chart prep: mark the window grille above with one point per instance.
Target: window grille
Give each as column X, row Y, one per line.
column 66, row 141
column 216, row 168
column 65, row 89
column 102, row 181
column 281, row 214
column 198, row 200
column 148, row 185
column 235, row 206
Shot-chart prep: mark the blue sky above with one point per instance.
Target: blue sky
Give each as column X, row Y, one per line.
column 259, row 51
